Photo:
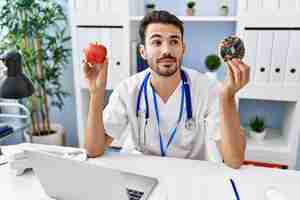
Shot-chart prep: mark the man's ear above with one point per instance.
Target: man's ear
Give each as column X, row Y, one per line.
column 184, row 48
column 142, row 51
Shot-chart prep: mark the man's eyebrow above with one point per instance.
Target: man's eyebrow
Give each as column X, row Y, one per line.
column 155, row 35
column 175, row 36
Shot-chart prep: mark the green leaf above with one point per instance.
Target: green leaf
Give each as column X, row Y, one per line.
column 22, row 20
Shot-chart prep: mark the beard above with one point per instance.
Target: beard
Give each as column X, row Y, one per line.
column 167, row 70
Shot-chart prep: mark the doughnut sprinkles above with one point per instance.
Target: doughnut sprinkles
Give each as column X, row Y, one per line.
column 231, row 47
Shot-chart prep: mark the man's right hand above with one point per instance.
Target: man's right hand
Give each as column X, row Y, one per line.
column 96, row 75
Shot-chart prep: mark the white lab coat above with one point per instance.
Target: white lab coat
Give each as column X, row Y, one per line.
column 196, row 144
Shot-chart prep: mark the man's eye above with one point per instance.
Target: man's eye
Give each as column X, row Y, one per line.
column 174, row 42
column 156, row 42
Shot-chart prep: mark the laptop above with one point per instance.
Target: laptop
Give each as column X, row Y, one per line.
column 65, row 179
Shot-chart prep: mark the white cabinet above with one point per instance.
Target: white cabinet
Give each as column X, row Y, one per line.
column 271, row 32
column 113, row 39
column 98, row 12
column 118, row 70
column 106, row 22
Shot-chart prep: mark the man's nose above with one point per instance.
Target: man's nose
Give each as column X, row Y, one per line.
column 166, row 49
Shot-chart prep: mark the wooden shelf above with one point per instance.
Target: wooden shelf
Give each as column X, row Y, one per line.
column 197, row 18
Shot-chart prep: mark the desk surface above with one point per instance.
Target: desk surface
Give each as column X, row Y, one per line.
column 179, row 179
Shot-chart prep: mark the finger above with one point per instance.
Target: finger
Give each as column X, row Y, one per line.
column 104, row 66
column 102, row 76
column 88, row 71
column 86, row 67
column 230, row 75
column 236, row 72
column 237, row 64
column 245, row 71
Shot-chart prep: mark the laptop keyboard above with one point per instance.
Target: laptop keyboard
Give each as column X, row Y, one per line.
column 134, row 194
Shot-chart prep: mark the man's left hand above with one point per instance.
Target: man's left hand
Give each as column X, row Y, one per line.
column 237, row 77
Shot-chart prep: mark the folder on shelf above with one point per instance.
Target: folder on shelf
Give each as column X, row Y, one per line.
column 292, row 73
column 250, row 40
column 279, row 55
column 263, row 60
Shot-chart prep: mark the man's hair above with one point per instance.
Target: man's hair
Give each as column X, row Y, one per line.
column 159, row 16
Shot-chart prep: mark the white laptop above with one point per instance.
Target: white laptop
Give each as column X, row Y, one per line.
column 65, row 179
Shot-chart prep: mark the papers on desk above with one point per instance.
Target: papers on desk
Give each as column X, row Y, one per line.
column 197, row 188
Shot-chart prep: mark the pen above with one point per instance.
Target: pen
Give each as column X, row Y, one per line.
column 235, row 190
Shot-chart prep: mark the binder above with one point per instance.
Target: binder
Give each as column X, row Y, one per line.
column 292, row 75
column 93, row 5
column 253, row 5
column 270, row 5
column 263, row 60
column 279, row 55
column 250, row 41
column 117, row 6
column 287, row 5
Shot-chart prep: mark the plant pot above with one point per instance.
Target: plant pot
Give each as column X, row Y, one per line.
column 190, row 11
column 224, row 11
column 258, row 137
column 212, row 75
column 149, row 10
column 56, row 138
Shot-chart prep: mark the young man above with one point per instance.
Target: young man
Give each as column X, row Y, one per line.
column 171, row 110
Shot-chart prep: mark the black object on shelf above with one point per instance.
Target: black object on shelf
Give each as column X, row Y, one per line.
column 5, row 131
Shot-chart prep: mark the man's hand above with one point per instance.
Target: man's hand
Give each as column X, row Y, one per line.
column 237, row 77
column 233, row 144
column 96, row 75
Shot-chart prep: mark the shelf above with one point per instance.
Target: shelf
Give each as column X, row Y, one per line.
column 274, row 141
column 197, row 18
column 270, row 92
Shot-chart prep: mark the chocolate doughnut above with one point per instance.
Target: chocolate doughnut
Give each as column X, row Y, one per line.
column 231, row 47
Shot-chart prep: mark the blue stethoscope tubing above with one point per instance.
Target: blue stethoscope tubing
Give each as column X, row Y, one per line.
column 185, row 94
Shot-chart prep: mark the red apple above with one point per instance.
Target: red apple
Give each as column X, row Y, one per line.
column 95, row 53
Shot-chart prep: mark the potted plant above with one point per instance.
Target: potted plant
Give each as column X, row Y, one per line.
column 150, row 7
column 257, row 128
column 190, row 10
column 37, row 29
column 224, row 8
column 212, row 63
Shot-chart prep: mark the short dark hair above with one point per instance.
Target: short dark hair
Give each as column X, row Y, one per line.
column 159, row 16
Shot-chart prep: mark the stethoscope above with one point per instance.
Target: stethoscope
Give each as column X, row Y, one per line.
column 185, row 94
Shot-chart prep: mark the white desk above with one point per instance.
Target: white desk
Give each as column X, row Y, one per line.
column 190, row 177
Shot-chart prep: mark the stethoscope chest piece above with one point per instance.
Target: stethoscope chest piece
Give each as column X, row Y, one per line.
column 190, row 124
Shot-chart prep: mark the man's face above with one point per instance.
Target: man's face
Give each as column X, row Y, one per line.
column 163, row 48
